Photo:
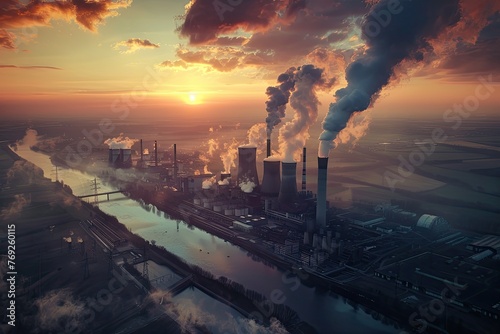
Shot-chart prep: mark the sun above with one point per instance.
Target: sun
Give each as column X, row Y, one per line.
column 192, row 97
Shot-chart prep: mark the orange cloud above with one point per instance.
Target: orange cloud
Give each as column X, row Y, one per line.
column 88, row 14
column 133, row 44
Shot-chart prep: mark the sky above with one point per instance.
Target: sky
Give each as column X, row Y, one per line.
column 217, row 58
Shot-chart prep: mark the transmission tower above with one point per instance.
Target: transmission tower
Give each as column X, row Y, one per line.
column 95, row 187
column 56, row 171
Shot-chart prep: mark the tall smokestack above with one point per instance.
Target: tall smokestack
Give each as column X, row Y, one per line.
column 142, row 152
column 247, row 164
column 268, row 148
column 271, row 182
column 288, row 189
column 156, row 153
column 175, row 161
column 304, row 169
column 321, row 199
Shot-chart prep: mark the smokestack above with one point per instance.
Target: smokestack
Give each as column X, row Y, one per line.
column 321, row 198
column 271, row 182
column 247, row 165
column 175, row 161
column 288, row 189
column 304, row 169
column 156, row 153
column 142, row 152
column 268, row 148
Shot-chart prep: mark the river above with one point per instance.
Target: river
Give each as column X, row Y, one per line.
column 326, row 311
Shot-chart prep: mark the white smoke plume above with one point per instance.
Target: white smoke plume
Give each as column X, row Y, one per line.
column 247, row 186
column 120, row 142
column 257, row 136
column 356, row 128
column 145, row 152
column 228, row 156
column 208, row 183
column 294, row 134
column 213, row 145
column 224, row 182
column 14, row 208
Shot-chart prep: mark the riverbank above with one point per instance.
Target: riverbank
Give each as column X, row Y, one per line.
column 245, row 301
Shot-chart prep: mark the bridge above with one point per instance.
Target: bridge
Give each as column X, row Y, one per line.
column 102, row 194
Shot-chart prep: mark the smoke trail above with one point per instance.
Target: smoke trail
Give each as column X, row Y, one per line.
column 355, row 129
column 404, row 36
column 294, row 134
column 257, row 136
column 208, row 183
column 213, row 145
column 278, row 98
column 120, row 142
column 229, row 155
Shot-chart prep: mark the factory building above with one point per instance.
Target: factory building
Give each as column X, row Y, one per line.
column 432, row 223
column 120, row 158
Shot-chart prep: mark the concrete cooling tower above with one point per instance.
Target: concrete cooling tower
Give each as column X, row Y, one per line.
column 247, row 164
column 271, row 182
column 288, row 189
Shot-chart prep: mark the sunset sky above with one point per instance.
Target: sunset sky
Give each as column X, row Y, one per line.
column 76, row 57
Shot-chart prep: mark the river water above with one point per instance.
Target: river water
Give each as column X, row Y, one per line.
column 327, row 312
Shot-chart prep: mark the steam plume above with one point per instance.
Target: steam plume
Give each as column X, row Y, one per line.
column 278, row 98
column 120, row 142
column 247, row 186
column 208, row 183
column 405, row 37
column 257, row 136
column 229, row 155
column 294, row 134
column 355, row 130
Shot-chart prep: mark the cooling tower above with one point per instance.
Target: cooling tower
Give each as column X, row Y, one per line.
column 125, row 158
column 271, row 182
column 224, row 176
column 288, row 189
column 113, row 156
column 247, row 165
column 321, row 199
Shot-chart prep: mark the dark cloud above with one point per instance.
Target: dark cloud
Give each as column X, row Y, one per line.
column 133, row 44
column 88, row 14
column 205, row 20
column 470, row 60
column 283, row 33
